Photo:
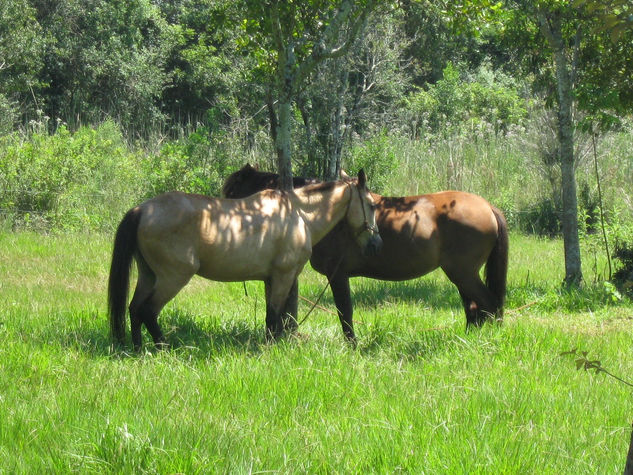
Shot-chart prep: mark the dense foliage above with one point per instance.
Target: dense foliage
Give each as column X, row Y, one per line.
column 104, row 103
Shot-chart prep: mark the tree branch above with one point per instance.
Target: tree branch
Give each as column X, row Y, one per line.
column 324, row 48
column 275, row 23
column 544, row 23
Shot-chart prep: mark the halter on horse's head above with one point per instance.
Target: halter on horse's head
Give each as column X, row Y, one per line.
column 364, row 228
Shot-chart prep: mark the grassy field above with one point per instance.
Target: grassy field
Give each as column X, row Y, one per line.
column 419, row 394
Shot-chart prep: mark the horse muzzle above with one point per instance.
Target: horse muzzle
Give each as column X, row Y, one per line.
column 373, row 245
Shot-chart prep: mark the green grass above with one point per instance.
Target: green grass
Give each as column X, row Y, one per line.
column 419, row 394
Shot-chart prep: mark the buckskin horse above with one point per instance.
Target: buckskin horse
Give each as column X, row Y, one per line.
column 456, row 231
column 268, row 236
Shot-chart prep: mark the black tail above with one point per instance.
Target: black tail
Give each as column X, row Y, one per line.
column 125, row 246
column 497, row 265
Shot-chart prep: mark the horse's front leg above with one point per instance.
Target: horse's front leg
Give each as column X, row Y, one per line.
column 289, row 313
column 343, row 301
column 277, row 290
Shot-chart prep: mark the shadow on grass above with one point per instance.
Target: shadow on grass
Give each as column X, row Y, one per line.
column 208, row 340
column 411, row 345
column 184, row 333
column 425, row 291
column 213, row 336
column 205, row 337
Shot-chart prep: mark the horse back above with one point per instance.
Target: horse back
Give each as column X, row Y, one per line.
column 410, row 247
column 419, row 233
column 220, row 239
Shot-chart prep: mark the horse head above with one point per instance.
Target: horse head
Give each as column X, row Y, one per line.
column 361, row 216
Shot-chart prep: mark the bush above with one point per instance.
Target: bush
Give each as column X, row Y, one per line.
column 87, row 180
column 377, row 156
column 195, row 164
column 541, row 219
column 488, row 100
column 67, row 181
column 8, row 115
column 623, row 276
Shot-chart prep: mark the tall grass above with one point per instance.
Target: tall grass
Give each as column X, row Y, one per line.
column 86, row 180
column 510, row 173
column 419, row 394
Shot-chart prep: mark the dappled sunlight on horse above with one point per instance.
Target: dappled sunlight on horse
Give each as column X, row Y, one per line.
column 268, row 236
column 456, row 231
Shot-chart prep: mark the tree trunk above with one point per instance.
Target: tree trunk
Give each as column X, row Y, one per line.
column 282, row 144
column 335, row 140
column 283, row 136
column 551, row 27
column 337, row 123
column 628, row 468
column 310, row 144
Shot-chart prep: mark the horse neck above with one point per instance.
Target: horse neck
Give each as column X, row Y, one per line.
column 322, row 209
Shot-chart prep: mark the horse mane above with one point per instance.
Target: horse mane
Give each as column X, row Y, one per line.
column 248, row 180
column 252, row 178
column 319, row 186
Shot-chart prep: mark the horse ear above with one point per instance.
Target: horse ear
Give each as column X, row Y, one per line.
column 344, row 176
column 249, row 169
column 362, row 179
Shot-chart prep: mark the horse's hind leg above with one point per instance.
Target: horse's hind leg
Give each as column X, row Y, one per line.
column 479, row 303
column 142, row 311
column 147, row 304
column 278, row 287
column 138, row 306
column 471, row 309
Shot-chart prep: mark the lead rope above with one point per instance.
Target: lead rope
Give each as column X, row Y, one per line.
column 314, row 304
column 338, row 264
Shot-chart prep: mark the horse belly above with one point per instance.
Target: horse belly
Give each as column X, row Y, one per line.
column 401, row 258
column 234, row 264
column 401, row 266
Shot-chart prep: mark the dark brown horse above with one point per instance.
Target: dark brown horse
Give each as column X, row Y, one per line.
column 455, row 231
column 268, row 236
column 250, row 178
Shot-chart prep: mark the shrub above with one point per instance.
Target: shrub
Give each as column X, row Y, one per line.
column 623, row 276
column 67, row 181
column 377, row 156
column 197, row 163
column 8, row 115
column 541, row 219
column 87, row 180
column 488, row 100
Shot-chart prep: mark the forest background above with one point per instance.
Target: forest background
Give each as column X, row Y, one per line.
column 106, row 103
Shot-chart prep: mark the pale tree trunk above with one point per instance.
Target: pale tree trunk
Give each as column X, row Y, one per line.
column 628, row 468
column 551, row 27
column 337, row 133
column 283, row 133
column 282, row 145
column 308, row 133
column 291, row 75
